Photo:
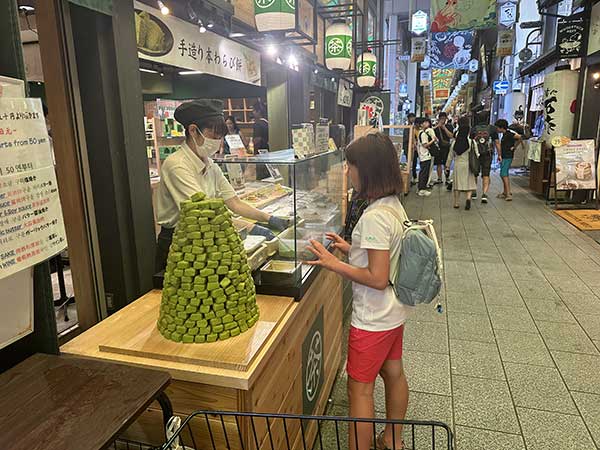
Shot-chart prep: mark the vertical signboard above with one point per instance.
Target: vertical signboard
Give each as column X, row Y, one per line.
column 313, row 370
column 570, row 36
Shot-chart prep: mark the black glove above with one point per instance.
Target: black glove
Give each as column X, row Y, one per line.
column 279, row 223
column 257, row 230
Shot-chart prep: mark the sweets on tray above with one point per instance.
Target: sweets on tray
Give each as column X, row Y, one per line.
column 208, row 291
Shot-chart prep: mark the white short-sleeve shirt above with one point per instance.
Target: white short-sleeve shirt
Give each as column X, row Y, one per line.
column 425, row 136
column 182, row 175
column 373, row 309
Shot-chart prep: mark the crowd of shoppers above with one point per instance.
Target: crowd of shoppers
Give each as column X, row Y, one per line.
column 448, row 148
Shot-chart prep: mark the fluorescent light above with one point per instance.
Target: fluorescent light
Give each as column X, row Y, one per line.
column 210, row 24
column 271, row 50
column 163, row 8
column 236, row 35
column 190, row 72
column 148, row 70
column 27, row 8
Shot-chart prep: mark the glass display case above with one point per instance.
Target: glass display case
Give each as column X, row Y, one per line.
column 307, row 191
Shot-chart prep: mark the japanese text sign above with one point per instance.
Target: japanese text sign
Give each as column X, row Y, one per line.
column 31, row 222
column 169, row 40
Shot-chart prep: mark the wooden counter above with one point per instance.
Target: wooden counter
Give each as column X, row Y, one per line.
column 258, row 371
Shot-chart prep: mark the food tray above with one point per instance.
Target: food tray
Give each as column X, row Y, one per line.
column 272, row 246
column 251, row 243
column 257, row 258
column 280, row 272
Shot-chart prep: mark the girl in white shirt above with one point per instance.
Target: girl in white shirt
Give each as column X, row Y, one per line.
column 375, row 341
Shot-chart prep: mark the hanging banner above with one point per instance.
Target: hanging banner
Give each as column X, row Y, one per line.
column 31, row 222
column 560, row 94
column 425, row 77
column 418, row 49
column 576, row 165
column 172, row 41
column 570, row 37
column 451, row 50
column 504, row 45
column 594, row 38
column 377, row 105
column 462, row 15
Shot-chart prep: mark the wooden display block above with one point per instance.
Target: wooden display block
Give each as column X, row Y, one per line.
column 140, row 337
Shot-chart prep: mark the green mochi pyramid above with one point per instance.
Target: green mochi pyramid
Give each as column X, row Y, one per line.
column 208, row 291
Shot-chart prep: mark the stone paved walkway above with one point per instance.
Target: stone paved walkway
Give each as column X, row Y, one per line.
column 513, row 362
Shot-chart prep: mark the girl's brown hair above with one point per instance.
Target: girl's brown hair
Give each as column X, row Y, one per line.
column 378, row 167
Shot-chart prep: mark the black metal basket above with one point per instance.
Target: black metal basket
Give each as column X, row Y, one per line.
column 210, row 430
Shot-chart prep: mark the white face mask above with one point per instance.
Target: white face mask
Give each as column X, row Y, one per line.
column 209, row 148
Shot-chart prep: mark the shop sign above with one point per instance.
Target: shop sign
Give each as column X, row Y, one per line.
column 418, row 49
column 165, row 109
column 575, row 165
column 425, row 77
column 11, row 87
column 419, row 22
column 570, row 37
column 403, row 90
column 172, row 41
column 504, row 45
column 508, row 14
column 594, row 39
column 313, row 364
column 345, row 94
column 31, row 222
column 441, row 93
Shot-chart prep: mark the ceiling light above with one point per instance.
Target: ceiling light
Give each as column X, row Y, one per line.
column 148, row 70
column 210, row 24
column 190, row 72
column 202, row 27
column 316, row 71
column 162, row 74
column 163, row 8
column 236, row 35
column 333, row 79
column 271, row 50
column 292, row 60
column 26, row 8
column 278, row 60
column 596, row 75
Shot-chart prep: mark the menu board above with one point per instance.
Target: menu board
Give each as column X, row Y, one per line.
column 575, row 165
column 31, row 222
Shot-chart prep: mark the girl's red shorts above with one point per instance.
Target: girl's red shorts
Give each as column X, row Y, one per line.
column 368, row 350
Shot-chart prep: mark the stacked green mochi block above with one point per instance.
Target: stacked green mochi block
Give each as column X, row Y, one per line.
column 208, row 291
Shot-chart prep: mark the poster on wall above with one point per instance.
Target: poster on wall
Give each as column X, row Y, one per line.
column 345, row 93
column 576, row 165
column 172, row 41
column 594, row 38
column 377, row 106
column 451, row 50
column 458, row 15
column 31, row 221
column 11, row 87
column 570, row 36
column 418, row 49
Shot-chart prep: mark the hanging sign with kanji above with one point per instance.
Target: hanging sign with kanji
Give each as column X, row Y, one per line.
column 172, row 41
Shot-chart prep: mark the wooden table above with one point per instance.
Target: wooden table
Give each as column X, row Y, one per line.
column 55, row 402
column 263, row 370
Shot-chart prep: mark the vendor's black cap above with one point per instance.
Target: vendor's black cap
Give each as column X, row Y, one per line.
column 198, row 110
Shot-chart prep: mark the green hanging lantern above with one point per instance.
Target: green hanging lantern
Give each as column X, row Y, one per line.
column 273, row 15
column 338, row 46
column 366, row 65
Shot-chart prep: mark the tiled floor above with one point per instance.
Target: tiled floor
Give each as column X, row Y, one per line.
column 513, row 362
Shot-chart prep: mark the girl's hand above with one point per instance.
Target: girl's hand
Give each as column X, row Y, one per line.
column 338, row 243
column 324, row 257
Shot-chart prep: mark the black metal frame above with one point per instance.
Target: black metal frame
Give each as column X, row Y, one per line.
column 216, row 425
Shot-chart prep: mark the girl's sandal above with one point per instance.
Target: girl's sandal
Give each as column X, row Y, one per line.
column 381, row 445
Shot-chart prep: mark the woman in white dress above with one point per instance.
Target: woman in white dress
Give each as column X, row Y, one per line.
column 464, row 180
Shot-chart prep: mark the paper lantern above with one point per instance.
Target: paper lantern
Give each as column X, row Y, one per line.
column 272, row 15
column 366, row 65
column 338, row 46
column 560, row 91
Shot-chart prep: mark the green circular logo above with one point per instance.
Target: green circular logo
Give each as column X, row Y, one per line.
column 374, row 69
column 349, row 47
column 291, row 3
column 263, row 4
column 335, row 46
column 364, row 68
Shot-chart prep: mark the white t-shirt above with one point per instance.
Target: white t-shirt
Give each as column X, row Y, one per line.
column 424, row 154
column 182, row 175
column 373, row 309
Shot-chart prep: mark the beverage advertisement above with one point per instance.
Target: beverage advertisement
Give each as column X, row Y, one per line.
column 576, row 166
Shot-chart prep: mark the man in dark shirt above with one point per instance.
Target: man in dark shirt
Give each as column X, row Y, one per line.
column 444, row 136
column 507, row 152
column 260, row 138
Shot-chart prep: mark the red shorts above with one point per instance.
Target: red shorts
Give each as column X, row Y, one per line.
column 368, row 350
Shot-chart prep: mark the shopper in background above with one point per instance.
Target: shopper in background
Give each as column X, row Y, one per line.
column 463, row 178
column 192, row 170
column 260, row 136
column 232, row 130
column 376, row 334
column 444, row 136
column 485, row 147
column 427, row 144
column 507, row 146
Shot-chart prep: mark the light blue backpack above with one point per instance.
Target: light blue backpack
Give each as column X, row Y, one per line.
column 417, row 278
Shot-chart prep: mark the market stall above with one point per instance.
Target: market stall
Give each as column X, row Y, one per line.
column 283, row 362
